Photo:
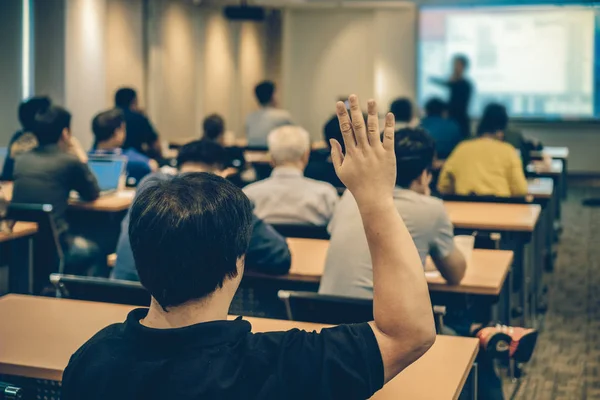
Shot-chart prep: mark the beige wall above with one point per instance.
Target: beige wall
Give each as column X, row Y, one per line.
column 330, row 52
column 10, row 69
column 200, row 63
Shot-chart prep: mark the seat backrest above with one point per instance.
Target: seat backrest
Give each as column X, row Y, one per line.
column 100, row 289
column 324, row 309
column 489, row 199
column 302, row 231
column 335, row 310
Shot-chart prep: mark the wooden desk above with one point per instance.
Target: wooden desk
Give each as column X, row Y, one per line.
column 257, row 157
column 21, row 229
column 493, row 216
column 26, row 350
column 114, row 202
column 485, row 276
column 541, row 188
column 557, row 153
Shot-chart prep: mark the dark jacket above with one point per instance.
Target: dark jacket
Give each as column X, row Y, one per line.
column 267, row 253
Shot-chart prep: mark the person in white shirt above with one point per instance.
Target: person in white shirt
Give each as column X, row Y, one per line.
column 260, row 123
column 287, row 197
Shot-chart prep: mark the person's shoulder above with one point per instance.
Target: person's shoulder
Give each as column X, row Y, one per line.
column 98, row 344
column 257, row 187
column 320, row 186
column 507, row 147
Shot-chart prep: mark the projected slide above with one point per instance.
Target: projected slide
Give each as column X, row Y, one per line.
column 538, row 62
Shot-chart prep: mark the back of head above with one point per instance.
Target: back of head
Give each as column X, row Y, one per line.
column 264, row 92
column 28, row 110
column 288, row 144
column 493, row 120
column 213, row 127
column 125, row 97
column 187, row 234
column 50, row 123
column 106, row 123
column 415, row 151
column 402, row 110
column 332, row 130
column 462, row 60
column 435, row 107
column 203, row 152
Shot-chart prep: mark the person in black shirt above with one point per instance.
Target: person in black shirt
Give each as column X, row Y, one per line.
column 213, row 128
column 23, row 140
column 189, row 236
column 460, row 94
column 47, row 175
column 141, row 135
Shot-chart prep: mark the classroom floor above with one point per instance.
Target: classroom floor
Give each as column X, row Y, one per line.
column 566, row 362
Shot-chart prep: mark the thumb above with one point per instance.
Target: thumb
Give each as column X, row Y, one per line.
column 336, row 153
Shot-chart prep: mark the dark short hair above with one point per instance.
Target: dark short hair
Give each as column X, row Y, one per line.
column 124, row 97
column 202, row 152
column 213, row 126
column 332, row 130
column 186, row 235
column 264, row 92
column 402, row 109
column 494, row 119
column 435, row 107
column 461, row 58
column 29, row 108
column 50, row 123
column 415, row 150
column 106, row 123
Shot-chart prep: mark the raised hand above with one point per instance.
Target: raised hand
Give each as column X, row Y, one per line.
column 368, row 169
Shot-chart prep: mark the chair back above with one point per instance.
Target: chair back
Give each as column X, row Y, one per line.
column 335, row 310
column 100, row 290
column 48, row 250
column 302, row 231
column 10, row 392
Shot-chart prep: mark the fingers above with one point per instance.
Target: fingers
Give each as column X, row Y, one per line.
column 336, row 154
column 373, row 124
column 345, row 126
column 388, row 132
column 358, row 122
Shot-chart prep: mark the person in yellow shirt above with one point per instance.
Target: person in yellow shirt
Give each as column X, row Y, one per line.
column 486, row 165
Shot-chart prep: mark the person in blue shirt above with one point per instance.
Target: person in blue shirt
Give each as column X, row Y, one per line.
column 268, row 251
column 445, row 131
column 109, row 132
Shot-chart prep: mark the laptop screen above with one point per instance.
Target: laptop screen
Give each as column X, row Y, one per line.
column 108, row 171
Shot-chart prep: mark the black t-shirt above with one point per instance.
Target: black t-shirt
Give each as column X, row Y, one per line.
column 140, row 133
column 224, row 360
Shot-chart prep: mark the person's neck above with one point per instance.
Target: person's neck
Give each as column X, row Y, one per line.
column 294, row 165
column 196, row 167
column 490, row 136
column 106, row 145
column 213, row 308
column 416, row 187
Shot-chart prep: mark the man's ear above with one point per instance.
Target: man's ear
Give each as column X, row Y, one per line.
column 66, row 135
column 425, row 178
column 306, row 157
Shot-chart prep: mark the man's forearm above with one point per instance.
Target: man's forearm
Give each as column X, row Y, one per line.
column 400, row 295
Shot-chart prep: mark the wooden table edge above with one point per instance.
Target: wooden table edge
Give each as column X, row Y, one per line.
column 30, row 231
column 468, row 371
column 32, row 372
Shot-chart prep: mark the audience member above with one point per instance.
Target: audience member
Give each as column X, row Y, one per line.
column 109, row 132
column 348, row 267
column 213, row 129
column 287, row 197
column 189, row 235
column 403, row 111
column 141, row 135
column 268, row 251
column 48, row 173
column 320, row 166
column 260, row 123
column 444, row 131
column 23, row 140
column 485, row 166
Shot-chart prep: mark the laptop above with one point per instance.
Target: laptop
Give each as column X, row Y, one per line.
column 108, row 171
